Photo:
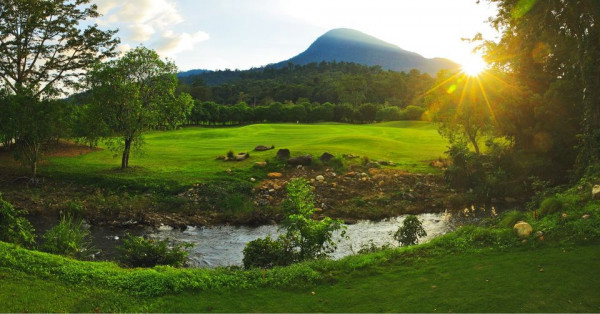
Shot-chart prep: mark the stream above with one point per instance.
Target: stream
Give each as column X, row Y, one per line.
column 223, row 245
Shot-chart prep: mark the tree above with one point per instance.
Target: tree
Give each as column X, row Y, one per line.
column 554, row 42
column 44, row 52
column 410, row 231
column 129, row 93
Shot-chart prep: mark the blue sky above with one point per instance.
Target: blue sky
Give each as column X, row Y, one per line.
column 239, row 34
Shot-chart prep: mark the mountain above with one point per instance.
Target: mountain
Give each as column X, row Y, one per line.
column 191, row 72
column 349, row 45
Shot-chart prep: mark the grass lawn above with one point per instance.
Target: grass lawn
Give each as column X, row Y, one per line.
column 550, row 279
column 188, row 155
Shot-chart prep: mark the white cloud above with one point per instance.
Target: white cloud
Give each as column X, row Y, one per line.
column 150, row 23
column 171, row 43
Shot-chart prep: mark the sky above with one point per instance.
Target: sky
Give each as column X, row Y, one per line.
column 240, row 34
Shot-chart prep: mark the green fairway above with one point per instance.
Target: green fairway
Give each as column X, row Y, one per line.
column 532, row 280
column 188, row 155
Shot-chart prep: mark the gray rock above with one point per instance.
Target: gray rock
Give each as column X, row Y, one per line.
column 305, row 160
column 283, row 153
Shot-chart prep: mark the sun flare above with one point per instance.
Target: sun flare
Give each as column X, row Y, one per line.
column 474, row 65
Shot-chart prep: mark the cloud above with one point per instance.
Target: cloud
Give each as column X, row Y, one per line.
column 149, row 22
column 171, row 43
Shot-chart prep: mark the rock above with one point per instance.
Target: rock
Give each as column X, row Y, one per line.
column 274, row 175
column 326, row 157
column 283, row 153
column 364, row 175
column 260, row 163
column 372, row 164
column 312, row 180
column 252, row 180
column 304, row 160
column 364, row 178
column 564, row 215
column 320, row 178
column 538, row 234
column 241, row 156
column 299, row 167
column 261, row 148
column 596, row 192
column 522, row 229
column 271, row 190
column 350, row 174
column 586, row 216
column 221, row 157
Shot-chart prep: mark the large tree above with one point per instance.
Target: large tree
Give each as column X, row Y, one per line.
column 45, row 50
column 552, row 47
column 131, row 94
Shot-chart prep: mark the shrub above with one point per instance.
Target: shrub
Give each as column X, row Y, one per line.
column 410, row 231
column 510, row 218
column 15, row 228
column 141, row 252
column 550, row 205
column 304, row 238
column 68, row 238
column 412, row 113
column 267, row 253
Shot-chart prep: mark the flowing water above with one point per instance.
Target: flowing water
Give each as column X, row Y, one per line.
column 223, row 245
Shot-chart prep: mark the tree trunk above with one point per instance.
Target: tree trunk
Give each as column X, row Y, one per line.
column 125, row 158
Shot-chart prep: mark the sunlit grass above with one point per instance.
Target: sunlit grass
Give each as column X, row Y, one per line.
column 189, row 154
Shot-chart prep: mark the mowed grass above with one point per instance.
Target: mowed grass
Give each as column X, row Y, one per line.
column 461, row 282
column 189, row 155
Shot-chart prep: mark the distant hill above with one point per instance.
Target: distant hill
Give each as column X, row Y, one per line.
column 341, row 45
column 349, row 45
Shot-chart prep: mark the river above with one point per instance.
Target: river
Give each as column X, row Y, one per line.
column 223, row 245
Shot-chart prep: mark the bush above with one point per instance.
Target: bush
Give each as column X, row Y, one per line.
column 68, row 238
column 550, row 205
column 304, row 238
column 267, row 253
column 13, row 227
column 410, row 231
column 510, row 218
column 141, row 252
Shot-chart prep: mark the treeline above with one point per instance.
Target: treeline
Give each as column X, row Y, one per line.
column 333, row 82
column 211, row 113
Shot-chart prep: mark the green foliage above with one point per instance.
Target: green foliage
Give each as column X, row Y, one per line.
column 141, row 252
column 410, row 231
column 267, row 253
column 304, row 237
column 15, row 228
column 68, row 238
column 134, row 94
column 310, row 237
column 510, row 218
column 550, row 205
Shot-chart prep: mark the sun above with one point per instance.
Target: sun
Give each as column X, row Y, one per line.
column 473, row 65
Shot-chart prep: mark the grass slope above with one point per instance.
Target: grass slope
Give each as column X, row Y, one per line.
column 465, row 282
column 188, row 155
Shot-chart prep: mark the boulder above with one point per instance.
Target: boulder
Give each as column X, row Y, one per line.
column 522, row 229
column 261, row 148
column 596, row 192
column 283, row 153
column 274, row 175
column 373, row 164
column 326, row 157
column 241, row 156
column 304, row 160
column 261, row 163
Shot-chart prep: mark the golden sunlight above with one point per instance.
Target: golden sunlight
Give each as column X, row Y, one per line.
column 473, row 65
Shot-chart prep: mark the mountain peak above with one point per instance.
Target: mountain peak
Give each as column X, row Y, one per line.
column 349, row 45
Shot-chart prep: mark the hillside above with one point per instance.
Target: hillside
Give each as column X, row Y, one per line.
column 349, row 45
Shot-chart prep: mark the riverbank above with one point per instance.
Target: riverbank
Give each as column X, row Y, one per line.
column 550, row 278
